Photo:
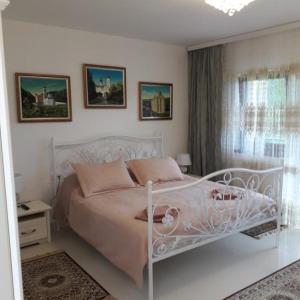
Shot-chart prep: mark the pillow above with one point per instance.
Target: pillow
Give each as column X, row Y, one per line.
column 155, row 169
column 132, row 176
column 94, row 179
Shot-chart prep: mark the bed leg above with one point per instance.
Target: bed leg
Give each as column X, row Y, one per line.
column 150, row 245
column 278, row 233
column 279, row 205
column 278, row 227
column 150, row 281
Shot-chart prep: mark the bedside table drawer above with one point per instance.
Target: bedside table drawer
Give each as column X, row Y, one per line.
column 33, row 230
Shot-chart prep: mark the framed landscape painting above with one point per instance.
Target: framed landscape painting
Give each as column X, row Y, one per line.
column 104, row 86
column 43, row 98
column 155, row 101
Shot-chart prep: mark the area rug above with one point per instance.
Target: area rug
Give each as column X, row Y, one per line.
column 263, row 230
column 57, row 276
column 281, row 285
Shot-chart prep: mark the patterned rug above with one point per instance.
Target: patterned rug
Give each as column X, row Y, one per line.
column 263, row 230
column 281, row 285
column 57, row 276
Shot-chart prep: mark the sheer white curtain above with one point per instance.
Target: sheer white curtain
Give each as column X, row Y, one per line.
column 261, row 128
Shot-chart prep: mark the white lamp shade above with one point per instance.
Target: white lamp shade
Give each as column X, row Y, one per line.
column 184, row 159
column 19, row 184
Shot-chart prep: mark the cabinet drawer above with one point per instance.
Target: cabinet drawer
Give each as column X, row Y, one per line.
column 33, row 230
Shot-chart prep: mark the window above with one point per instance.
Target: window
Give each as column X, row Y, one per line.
column 261, row 129
column 261, row 102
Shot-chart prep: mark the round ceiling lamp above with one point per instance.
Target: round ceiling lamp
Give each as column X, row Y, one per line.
column 229, row 7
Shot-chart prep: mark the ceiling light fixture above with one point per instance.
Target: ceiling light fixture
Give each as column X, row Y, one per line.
column 229, row 7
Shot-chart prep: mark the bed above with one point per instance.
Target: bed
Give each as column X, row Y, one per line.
column 243, row 199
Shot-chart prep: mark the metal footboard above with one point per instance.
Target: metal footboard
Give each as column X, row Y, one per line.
column 211, row 208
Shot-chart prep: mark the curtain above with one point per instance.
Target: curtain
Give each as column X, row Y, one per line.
column 205, row 102
column 261, row 128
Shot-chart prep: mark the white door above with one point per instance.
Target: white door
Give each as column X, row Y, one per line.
column 6, row 277
column 10, row 274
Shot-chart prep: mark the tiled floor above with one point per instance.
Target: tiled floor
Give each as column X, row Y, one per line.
column 211, row 272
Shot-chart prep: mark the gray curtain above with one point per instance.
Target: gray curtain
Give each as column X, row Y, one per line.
column 205, row 106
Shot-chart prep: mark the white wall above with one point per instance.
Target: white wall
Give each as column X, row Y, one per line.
column 44, row 49
column 272, row 51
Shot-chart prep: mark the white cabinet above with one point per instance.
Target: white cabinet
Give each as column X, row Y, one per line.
column 34, row 223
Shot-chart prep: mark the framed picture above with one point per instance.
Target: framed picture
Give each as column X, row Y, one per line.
column 43, row 98
column 104, row 86
column 155, row 101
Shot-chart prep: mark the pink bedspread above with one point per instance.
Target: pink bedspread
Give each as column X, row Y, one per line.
column 107, row 221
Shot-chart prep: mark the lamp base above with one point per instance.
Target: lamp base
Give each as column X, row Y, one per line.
column 18, row 199
column 184, row 169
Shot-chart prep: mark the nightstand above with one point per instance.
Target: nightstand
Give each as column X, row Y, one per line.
column 34, row 224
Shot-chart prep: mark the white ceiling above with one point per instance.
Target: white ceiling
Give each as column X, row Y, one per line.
column 181, row 22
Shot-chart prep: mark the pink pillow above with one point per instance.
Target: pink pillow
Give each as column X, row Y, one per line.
column 94, row 179
column 155, row 169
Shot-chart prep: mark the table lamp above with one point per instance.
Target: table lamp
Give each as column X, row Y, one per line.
column 184, row 161
column 19, row 186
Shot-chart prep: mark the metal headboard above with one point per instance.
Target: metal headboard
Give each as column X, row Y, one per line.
column 99, row 150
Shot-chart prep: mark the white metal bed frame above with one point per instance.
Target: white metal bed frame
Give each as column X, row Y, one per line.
column 267, row 182
column 246, row 216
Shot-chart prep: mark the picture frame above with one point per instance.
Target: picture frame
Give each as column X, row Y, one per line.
column 155, row 101
column 43, row 98
column 104, row 86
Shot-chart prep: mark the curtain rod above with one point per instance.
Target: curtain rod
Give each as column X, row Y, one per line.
column 247, row 36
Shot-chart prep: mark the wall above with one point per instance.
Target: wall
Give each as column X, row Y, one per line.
column 44, row 49
column 272, row 51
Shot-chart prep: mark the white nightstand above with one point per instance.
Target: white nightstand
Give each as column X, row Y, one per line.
column 34, row 224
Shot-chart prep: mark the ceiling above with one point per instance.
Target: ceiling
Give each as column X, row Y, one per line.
column 180, row 22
